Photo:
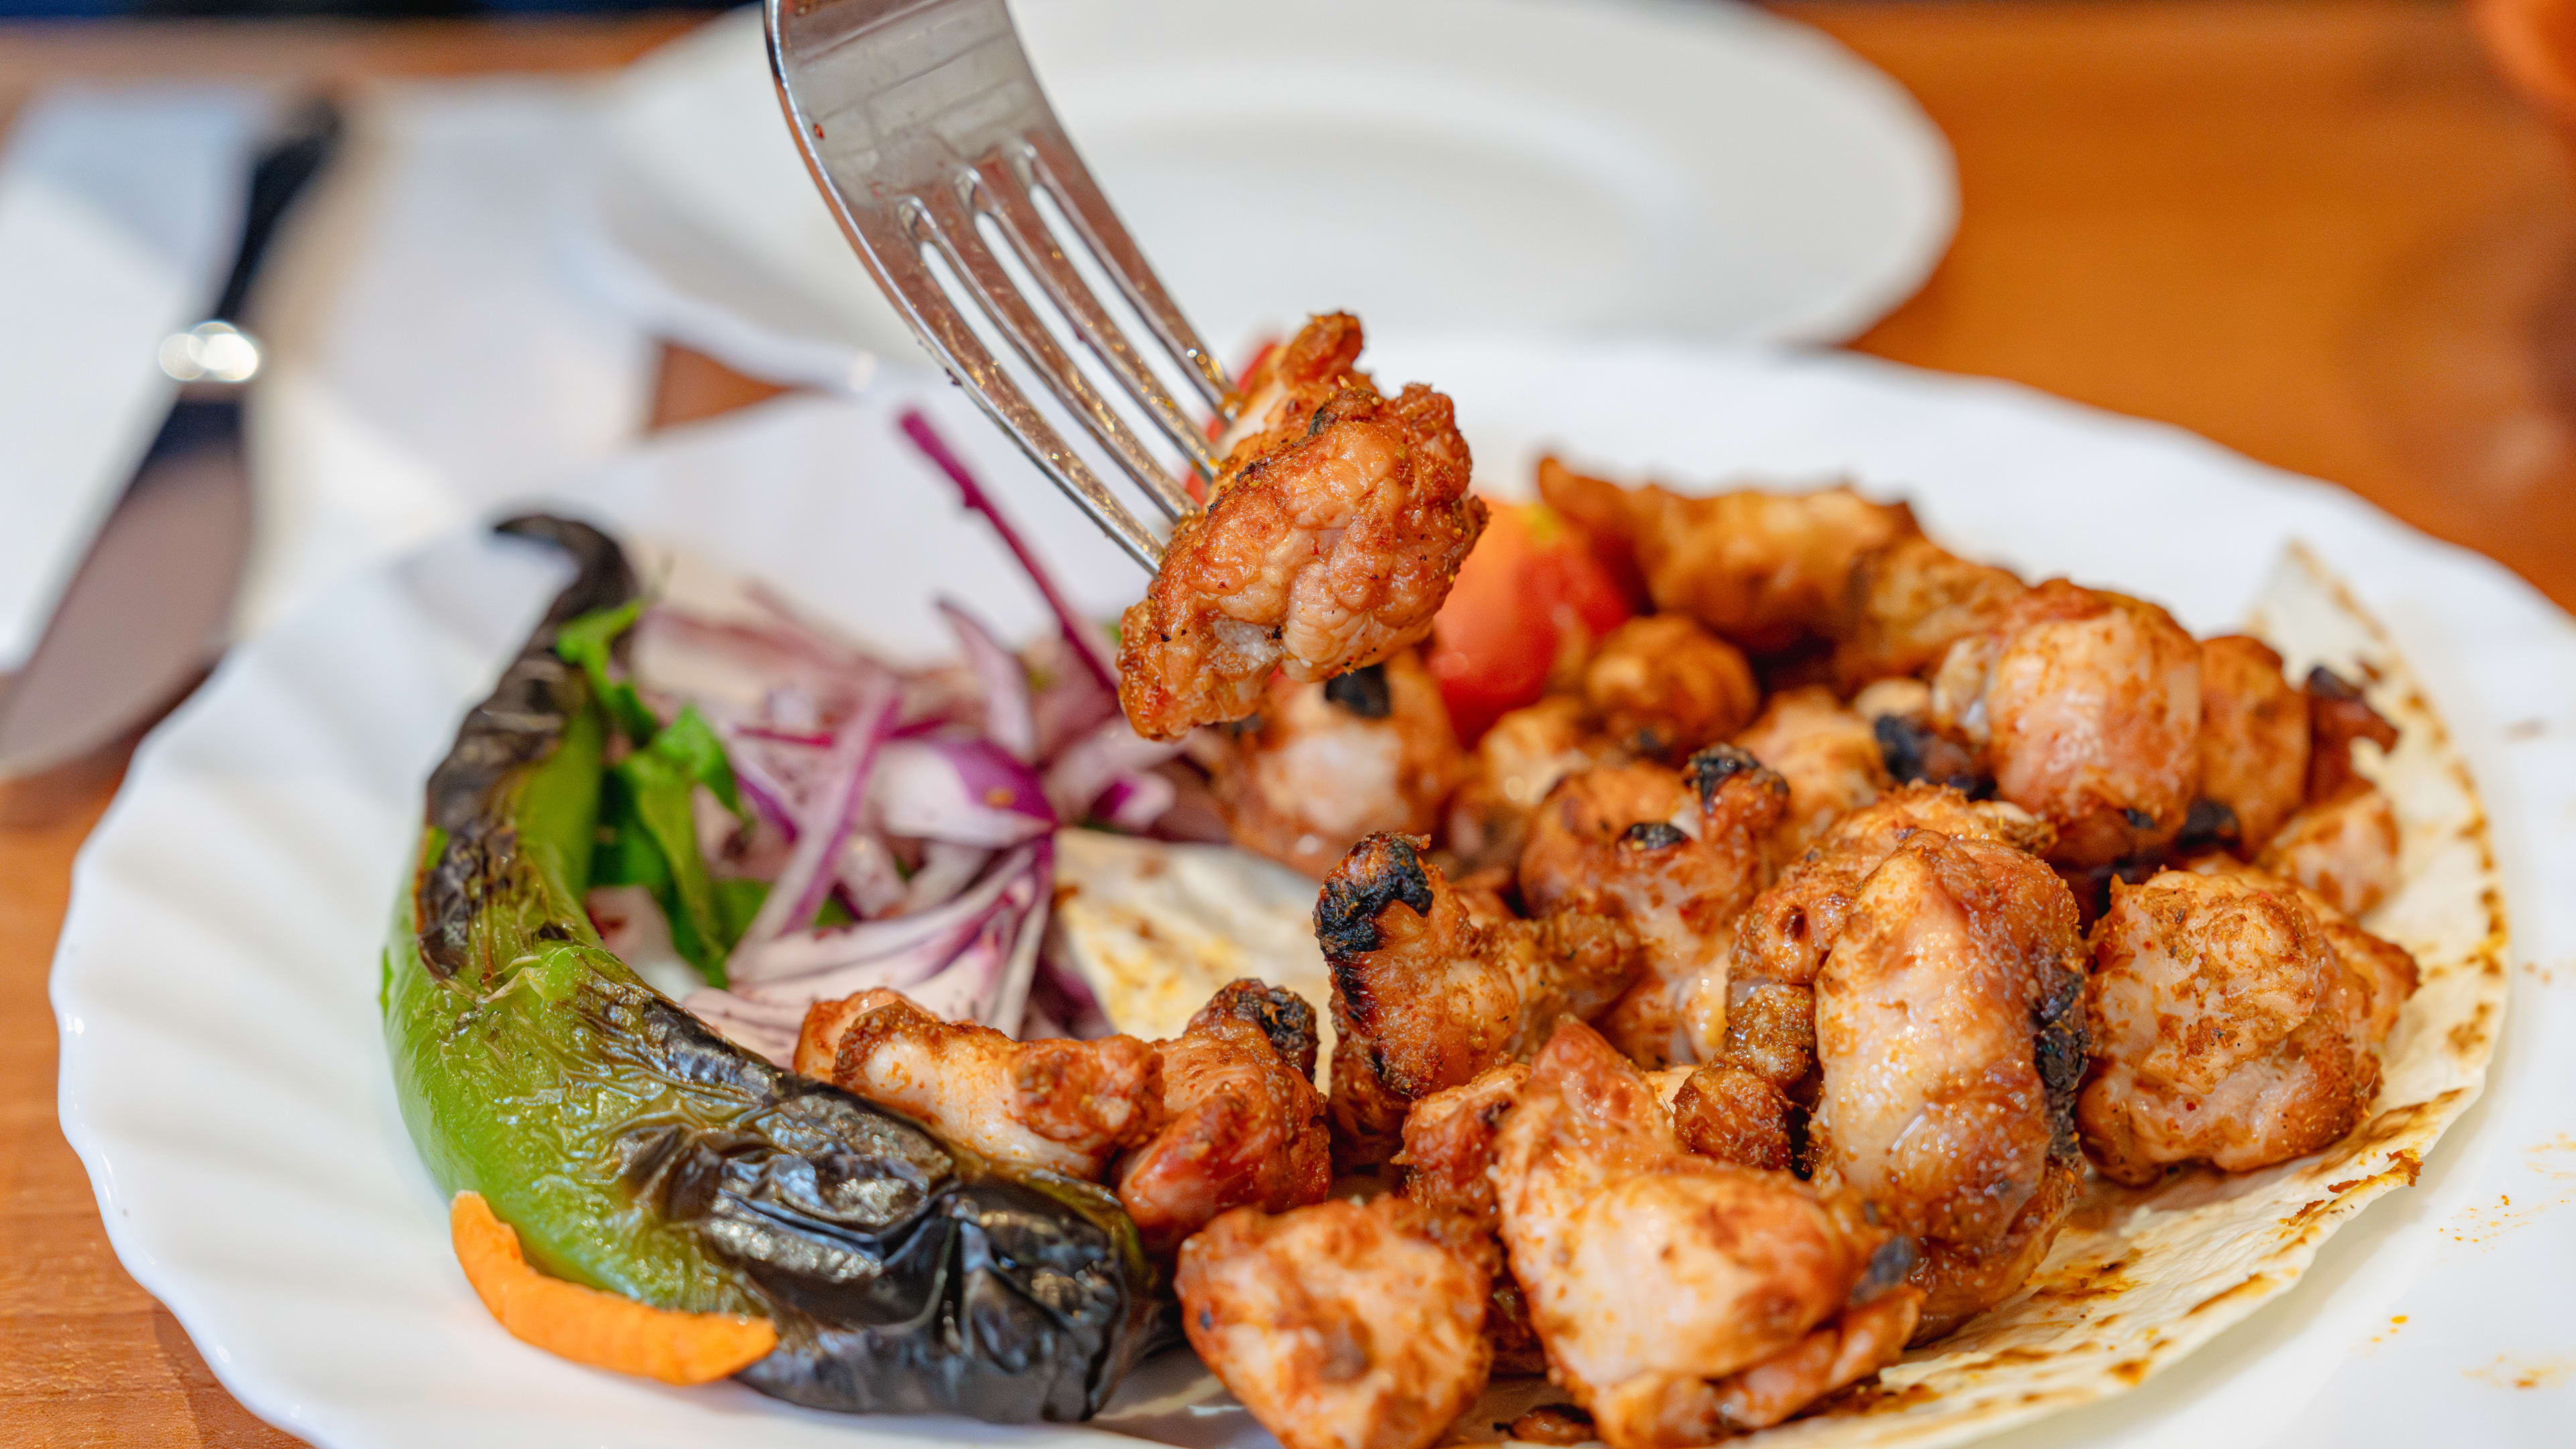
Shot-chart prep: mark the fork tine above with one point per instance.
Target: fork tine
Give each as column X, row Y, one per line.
column 948, row 223
column 896, row 258
column 1060, row 169
column 1035, row 243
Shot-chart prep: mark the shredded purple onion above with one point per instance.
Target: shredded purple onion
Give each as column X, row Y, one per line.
column 1008, row 719
column 925, row 800
column 972, row 960
column 964, row 791
column 798, row 892
column 1110, row 756
column 1086, row 644
column 802, row 954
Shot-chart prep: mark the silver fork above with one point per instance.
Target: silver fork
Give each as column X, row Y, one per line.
column 920, row 117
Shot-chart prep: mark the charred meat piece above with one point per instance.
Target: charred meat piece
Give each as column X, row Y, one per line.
column 1449, row 1145
column 1735, row 1115
column 1907, row 603
column 1829, row 756
column 2226, row 1028
column 1425, row 997
column 1312, row 774
column 2253, row 739
column 1675, row 854
column 2344, row 849
column 2087, row 705
column 1788, row 929
column 1680, row 1298
column 1447, row 1160
column 1066, row 1106
column 1284, row 1017
column 1950, row 1037
column 1330, row 537
column 1513, row 767
column 1912, row 746
column 2339, row 713
column 1661, row 686
column 2383, row 971
column 1339, row 1326
column 1243, row 1124
column 1763, row 570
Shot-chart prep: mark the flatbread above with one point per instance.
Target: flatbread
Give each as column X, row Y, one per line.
column 1155, row 927
column 2139, row 1277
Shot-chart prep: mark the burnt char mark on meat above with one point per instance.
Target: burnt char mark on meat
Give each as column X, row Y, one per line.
column 1361, row 692
column 1279, row 1013
column 2090, row 885
column 2338, row 714
column 1913, row 752
column 1379, row 871
column 1710, row 769
column 1887, row 1268
column 1900, row 747
column 1652, row 835
column 518, row 723
column 2058, row 1049
column 2211, row 825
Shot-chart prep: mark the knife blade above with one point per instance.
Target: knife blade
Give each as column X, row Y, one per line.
column 149, row 608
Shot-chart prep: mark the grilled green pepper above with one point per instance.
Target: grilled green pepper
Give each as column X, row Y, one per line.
column 636, row 1151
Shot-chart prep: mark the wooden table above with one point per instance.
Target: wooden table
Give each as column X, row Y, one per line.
column 2320, row 233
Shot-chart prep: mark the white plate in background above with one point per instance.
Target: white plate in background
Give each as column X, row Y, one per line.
column 1704, row 170
column 223, row 1077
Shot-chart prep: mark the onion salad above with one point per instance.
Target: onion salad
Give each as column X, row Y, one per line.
column 820, row 821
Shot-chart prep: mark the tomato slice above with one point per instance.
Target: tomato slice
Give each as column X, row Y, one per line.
column 1529, row 600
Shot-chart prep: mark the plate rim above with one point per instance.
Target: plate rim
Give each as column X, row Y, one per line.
column 171, row 1283
column 633, row 191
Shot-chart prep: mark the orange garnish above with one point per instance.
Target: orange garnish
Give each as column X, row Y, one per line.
column 588, row 1326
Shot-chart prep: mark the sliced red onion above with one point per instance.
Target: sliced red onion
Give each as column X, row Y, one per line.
column 1039, row 1024
column 964, row 791
column 811, row 739
column 768, row 1031
column 727, row 659
column 868, row 875
column 798, row 892
column 830, row 948
column 1067, row 707
column 795, row 708
column 1008, row 721
column 901, row 971
column 1135, row 802
column 977, row 967
column 1062, row 999
column 989, row 981
column 766, row 795
column 945, row 870
column 1086, row 643
column 1111, row 756
column 850, row 764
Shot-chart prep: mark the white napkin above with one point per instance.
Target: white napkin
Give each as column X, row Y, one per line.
column 435, row 346
column 119, row 209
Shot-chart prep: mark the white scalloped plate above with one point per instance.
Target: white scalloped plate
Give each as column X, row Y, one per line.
column 1678, row 167
column 222, row 1075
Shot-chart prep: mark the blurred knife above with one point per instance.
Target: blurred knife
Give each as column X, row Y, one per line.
column 147, row 612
